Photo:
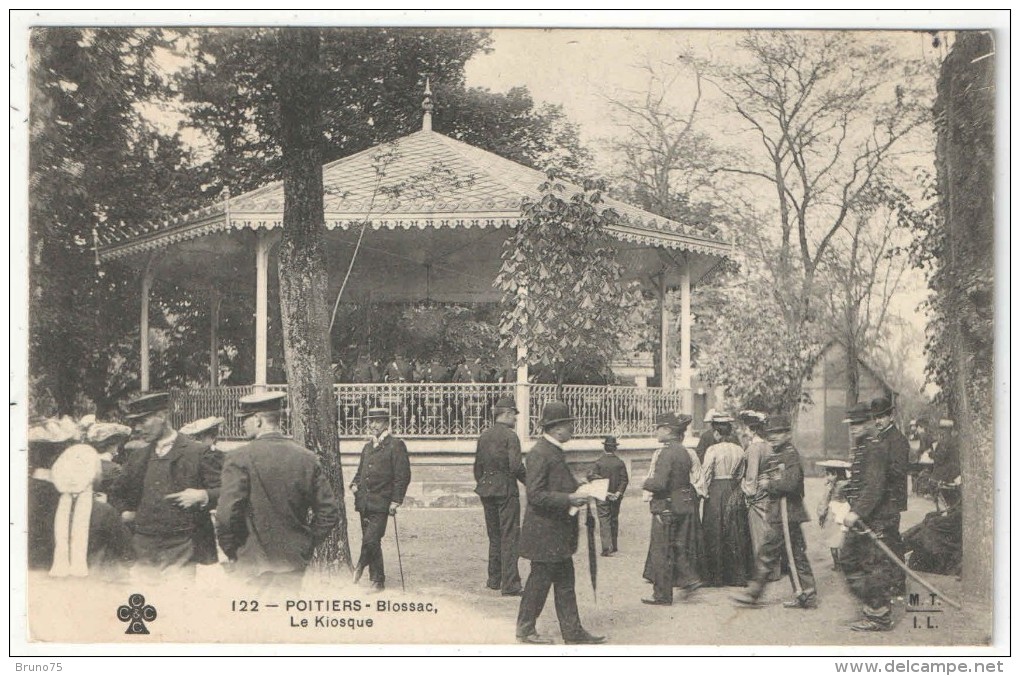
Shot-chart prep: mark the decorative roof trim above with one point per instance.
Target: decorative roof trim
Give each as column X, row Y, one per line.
column 420, row 221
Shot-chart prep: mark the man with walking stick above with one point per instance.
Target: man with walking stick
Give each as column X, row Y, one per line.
column 379, row 485
column 877, row 494
column 784, row 482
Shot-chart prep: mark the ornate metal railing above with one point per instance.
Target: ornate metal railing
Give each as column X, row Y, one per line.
column 452, row 410
column 607, row 409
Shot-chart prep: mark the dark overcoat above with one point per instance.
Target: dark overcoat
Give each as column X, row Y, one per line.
column 609, row 466
column 786, row 480
column 383, row 475
column 498, row 463
column 192, row 465
column 669, row 481
column 269, row 488
column 549, row 532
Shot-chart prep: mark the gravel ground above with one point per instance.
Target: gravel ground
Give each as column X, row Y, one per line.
column 444, row 554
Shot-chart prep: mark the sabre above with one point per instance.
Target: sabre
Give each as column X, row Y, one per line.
column 913, row 576
column 784, row 513
column 400, row 561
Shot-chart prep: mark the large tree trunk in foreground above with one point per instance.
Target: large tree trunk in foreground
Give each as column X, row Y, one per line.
column 965, row 111
column 303, row 275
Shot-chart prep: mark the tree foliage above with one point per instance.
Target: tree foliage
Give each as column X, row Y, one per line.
column 93, row 161
column 564, row 299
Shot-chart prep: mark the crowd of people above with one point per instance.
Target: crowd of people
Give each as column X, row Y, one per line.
column 105, row 497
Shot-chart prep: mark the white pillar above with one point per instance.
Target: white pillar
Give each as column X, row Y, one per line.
column 522, row 391
column 261, row 306
column 685, row 335
column 214, row 337
column 665, row 363
column 147, row 277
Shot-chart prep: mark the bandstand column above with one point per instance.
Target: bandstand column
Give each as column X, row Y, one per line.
column 685, row 335
column 665, row 363
column 261, row 306
column 215, row 299
column 147, row 277
column 522, row 392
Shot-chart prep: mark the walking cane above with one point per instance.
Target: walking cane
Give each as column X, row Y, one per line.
column 400, row 562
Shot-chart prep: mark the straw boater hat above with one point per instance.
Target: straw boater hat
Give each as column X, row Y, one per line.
column 555, row 412
column 102, row 432
column 196, row 427
column 835, row 465
column 377, row 412
column 721, row 417
column 710, row 415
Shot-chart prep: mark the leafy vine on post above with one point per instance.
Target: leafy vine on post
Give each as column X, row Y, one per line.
column 577, row 299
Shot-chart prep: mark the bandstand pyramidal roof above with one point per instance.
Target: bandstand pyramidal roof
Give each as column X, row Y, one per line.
column 422, row 180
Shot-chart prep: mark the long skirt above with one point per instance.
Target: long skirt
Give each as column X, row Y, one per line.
column 680, row 554
column 725, row 550
column 737, row 537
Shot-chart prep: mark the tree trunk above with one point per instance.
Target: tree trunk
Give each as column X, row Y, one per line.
column 964, row 160
column 303, row 274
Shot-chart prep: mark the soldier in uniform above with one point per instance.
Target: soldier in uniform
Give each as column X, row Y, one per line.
column 877, row 494
column 276, row 504
column 166, row 489
column 609, row 466
column 673, row 501
column 783, row 480
column 549, row 533
column 498, row 468
column 379, row 486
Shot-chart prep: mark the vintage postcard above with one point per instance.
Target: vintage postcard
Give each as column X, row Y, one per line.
column 344, row 330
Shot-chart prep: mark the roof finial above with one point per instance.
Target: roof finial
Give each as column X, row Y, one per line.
column 426, row 105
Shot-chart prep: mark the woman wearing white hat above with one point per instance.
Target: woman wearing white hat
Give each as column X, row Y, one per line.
column 89, row 538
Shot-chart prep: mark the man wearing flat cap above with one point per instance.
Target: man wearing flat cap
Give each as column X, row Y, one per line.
column 672, row 499
column 877, row 494
column 166, row 488
column 498, row 468
column 549, row 533
column 609, row 466
column 379, row 486
column 783, row 480
column 276, row 505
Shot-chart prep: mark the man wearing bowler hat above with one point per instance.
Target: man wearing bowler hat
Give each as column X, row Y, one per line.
column 166, row 488
column 276, row 504
column 549, row 533
column 384, row 473
column 498, row 468
column 783, row 480
column 609, row 466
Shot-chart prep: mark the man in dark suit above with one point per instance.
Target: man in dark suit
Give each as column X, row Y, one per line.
column 877, row 494
column 783, row 480
column 498, row 468
column 673, row 502
column 204, row 432
column 549, row 533
column 379, row 486
column 165, row 489
column 609, row 466
column 276, row 504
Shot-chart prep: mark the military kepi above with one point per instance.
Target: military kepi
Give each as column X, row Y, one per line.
column 778, row 423
column 147, row 404
column 261, row 402
column 858, row 413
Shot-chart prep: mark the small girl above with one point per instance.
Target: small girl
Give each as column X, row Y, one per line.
column 834, row 506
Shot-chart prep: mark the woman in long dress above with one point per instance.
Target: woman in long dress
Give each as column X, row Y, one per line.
column 725, row 555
